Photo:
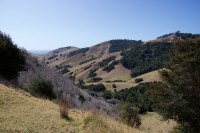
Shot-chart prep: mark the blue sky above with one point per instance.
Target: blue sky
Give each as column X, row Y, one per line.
column 50, row 24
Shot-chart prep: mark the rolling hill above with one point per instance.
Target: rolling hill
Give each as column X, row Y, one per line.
column 117, row 62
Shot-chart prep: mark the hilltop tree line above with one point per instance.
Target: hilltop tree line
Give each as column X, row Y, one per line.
column 121, row 45
column 146, row 58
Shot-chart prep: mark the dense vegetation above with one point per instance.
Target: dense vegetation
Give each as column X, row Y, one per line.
column 179, row 96
column 187, row 35
column 146, row 58
column 96, row 88
column 111, row 66
column 106, row 61
column 42, row 88
column 79, row 51
column 121, row 45
column 136, row 97
column 12, row 59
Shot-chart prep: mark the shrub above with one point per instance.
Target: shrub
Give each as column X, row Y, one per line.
column 114, row 86
column 64, row 109
column 97, row 79
column 129, row 115
column 95, row 124
column 12, row 59
column 40, row 87
column 138, row 80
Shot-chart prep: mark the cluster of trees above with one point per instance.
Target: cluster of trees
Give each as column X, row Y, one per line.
column 106, row 61
column 111, row 66
column 121, row 45
column 181, row 35
column 95, row 88
column 79, row 51
column 63, row 68
column 146, row 58
column 93, row 73
column 52, row 57
column 166, row 35
column 186, row 35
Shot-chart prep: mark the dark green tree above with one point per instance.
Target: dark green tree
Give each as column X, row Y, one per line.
column 180, row 95
column 12, row 59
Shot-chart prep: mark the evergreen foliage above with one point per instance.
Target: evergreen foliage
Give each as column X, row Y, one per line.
column 111, row 66
column 40, row 87
column 179, row 96
column 79, row 51
column 121, row 45
column 12, row 59
column 106, row 61
column 96, row 88
column 146, row 58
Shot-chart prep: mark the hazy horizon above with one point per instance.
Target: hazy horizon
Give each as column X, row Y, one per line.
column 49, row 24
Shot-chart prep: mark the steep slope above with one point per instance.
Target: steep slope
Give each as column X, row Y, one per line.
column 21, row 112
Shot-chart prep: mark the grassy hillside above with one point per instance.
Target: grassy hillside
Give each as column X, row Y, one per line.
column 20, row 112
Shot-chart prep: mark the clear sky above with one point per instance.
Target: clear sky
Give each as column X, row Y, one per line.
column 50, row 24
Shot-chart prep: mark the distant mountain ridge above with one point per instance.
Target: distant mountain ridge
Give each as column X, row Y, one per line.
column 40, row 51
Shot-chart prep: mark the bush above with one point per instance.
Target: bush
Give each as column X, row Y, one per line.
column 97, row 79
column 114, row 86
column 40, row 87
column 64, row 109
column 138, row 80
column 129, row 115
column 107, row 94
column 12, row 59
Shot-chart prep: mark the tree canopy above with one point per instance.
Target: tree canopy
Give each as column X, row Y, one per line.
column 12, row 59
column 180, row 94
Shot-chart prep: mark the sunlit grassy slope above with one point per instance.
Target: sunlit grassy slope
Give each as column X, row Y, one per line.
column 20, row 112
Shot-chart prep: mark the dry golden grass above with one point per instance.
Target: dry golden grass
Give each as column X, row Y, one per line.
column 153, row 123
column 20, row 112
column 148, row 77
